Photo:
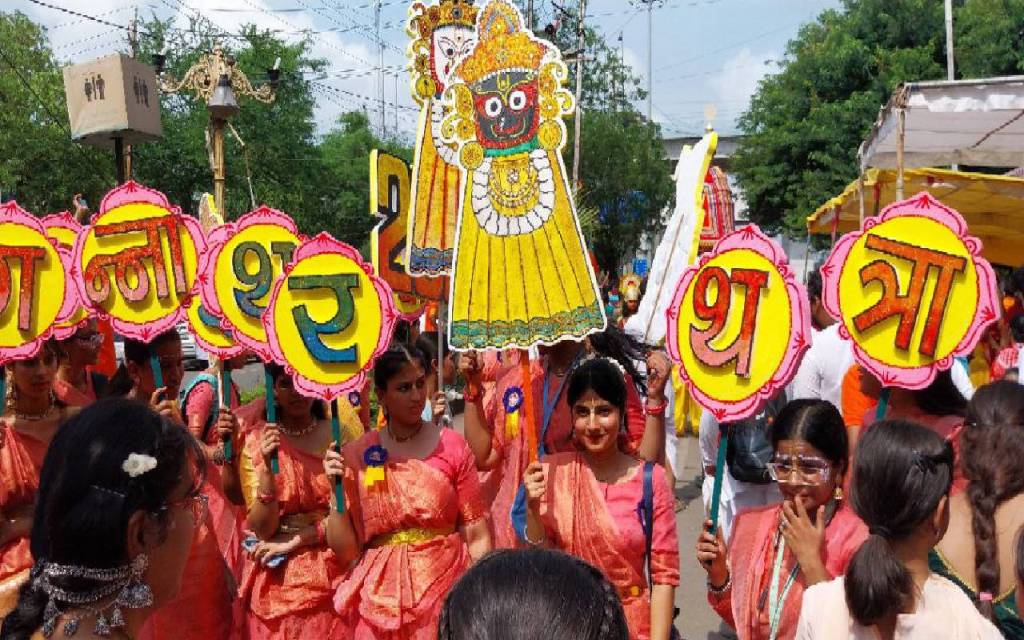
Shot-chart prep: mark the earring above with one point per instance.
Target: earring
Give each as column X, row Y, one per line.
column 838, row 494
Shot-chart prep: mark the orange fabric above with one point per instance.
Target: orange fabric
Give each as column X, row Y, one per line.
column 529, row 423
column 107, row 362
column 21, row 459
column 395, row 592
column 751, row 557
column 72, row 396
column 499, row 485
column 855, row 401
column 577, row 514
column 293, row 600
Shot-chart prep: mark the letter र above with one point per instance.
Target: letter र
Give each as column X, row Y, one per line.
column 911, row 291
column 328, row 318
column 738, row 325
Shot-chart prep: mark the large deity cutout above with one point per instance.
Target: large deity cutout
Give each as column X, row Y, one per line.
column 521, row 275
column 443, row 35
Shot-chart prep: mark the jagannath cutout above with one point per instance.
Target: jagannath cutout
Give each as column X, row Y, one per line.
column 443, row 34
column 911, row 290
column 738, row 325
column 521, row 274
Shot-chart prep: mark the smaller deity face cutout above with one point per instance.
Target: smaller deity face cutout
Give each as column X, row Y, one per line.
column 506, row 109
column 451, row 44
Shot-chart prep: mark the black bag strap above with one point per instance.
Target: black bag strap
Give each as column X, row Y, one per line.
column 646, row 512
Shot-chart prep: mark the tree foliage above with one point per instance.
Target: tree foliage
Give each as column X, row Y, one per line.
column 40, row 166
column 804, row 123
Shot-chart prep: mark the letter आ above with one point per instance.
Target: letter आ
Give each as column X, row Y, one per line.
column 26, row 291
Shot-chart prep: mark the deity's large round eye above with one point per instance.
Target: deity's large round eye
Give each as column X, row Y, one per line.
column 493, row 107
column 517, row 100
column 449, row 52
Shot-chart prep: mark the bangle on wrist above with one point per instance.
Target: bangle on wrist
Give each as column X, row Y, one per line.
column 534, row 543
column 722, row 589
column 472, row 392
column 656, row 410
column 265, row 498
column 321, row 531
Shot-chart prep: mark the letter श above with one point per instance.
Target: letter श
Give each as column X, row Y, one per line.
column 738, row 325
column 136, row 263
column 328, row 318
column 911, row 290
column 30, row 264
column 238, row 270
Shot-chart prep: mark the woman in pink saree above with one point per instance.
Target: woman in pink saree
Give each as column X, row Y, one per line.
column 586, row 502
column 413, row 521
column 756, row 584
column 496, row 430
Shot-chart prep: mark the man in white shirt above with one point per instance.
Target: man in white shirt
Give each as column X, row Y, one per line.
column 821, row 372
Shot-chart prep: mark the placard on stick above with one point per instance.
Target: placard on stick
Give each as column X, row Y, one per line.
column 738, row 325
column 238, row 270
column 136, row 263
column 35, row 290
column 911, row 290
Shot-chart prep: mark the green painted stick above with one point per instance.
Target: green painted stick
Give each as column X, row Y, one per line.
column 225, row 402
column 716, row 493
column 339, row 492
column 268, row 383
column 158, row 373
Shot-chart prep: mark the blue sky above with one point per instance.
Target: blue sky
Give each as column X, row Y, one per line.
column 706, row 52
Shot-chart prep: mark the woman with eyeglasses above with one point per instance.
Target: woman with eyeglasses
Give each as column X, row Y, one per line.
column 902, row 476
column 206, row 592
column 113, row 528
column 756, row 582
column 286, row 589
column 29, row 423
column 77, row 384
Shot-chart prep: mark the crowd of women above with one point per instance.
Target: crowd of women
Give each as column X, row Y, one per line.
column 169, row 512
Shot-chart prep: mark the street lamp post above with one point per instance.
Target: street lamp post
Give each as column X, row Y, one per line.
column 215, row 78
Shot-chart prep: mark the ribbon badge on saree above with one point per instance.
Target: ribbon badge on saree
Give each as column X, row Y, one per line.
column 375, row 457
column 513, row 402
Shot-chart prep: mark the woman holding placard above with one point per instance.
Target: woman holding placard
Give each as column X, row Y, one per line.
column 30, row 422
column 153, row 373
column 287, row 582
column 413, row 520
column 586, row 502
column 776, row 552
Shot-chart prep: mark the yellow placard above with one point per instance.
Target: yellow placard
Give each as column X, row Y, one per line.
column 35, row 292
column 137, row 262
column 329, row 318
column 63, row 228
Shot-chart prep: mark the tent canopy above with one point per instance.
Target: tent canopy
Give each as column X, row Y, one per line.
column 993, row 206
column 973, row 122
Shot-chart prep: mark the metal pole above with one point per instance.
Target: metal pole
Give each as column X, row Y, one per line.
column 901, row 134
column 950, row 60
column 650, row 60
column 217, row 125
column 529, row 15
column 380, row 53
column 578, row 120
column 119, row 164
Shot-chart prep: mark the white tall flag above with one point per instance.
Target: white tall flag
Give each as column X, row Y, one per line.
column 678, row 247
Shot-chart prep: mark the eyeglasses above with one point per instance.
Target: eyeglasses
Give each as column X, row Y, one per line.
column 198, row 504
column 800, row 470
column 94, row 339
column 171, row 362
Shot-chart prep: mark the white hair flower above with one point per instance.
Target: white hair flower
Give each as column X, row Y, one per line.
column 138, row 464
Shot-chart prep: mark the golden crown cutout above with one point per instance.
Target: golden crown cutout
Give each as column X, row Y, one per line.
column 502, row 44
column 446, row 13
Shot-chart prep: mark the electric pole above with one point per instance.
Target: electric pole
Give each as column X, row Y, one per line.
column 529, row 15
column 578, row 120
column 650, row 56
column 380, row 74
column 950, row 60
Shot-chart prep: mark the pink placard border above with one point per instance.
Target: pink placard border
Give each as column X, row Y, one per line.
column 321, row 244
column 749, row 238
column 130, row 193
column 64, row 220
column 922, row 205
column 10, row 212
column 205, row 282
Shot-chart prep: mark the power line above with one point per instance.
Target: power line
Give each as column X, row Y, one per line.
column 89, row 164
column 732, row 46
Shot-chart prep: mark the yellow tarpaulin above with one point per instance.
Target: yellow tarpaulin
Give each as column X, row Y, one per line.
column 992, row 205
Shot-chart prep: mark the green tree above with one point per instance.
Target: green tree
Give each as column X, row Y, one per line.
column 40, row 166
column 804, row 123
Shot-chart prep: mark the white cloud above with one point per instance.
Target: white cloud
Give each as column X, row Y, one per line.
column 737, row 81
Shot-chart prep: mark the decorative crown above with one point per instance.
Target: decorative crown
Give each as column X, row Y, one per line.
column 502, row 44
column 446, row 13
